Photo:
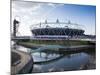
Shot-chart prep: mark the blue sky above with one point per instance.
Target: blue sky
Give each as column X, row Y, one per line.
column 30, row 13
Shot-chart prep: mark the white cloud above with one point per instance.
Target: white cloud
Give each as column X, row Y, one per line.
column 54, row 4
column 26, row 11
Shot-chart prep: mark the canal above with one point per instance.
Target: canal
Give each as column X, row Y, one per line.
column 54, row 61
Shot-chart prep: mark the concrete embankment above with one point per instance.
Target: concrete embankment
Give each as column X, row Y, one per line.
column 23, row 65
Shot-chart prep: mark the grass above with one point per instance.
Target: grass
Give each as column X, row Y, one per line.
column 54, row 42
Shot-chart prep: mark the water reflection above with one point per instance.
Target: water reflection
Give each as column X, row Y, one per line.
column 67, row 62
column 40, row 57
column 51, row 61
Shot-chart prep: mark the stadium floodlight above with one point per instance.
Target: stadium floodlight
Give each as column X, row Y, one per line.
column 45, row 21
column 57, row 21
column 69, row 22
column 40, row 24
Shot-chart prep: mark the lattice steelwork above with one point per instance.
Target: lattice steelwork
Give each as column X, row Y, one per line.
column 15, row 27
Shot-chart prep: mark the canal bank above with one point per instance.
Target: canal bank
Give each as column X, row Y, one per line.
column 53, row 42
column 23, row 64
column 46, row 55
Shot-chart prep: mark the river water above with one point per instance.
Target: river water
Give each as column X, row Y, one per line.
column 51, row 61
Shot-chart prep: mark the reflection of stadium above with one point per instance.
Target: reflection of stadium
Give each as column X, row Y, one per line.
column 68, row 29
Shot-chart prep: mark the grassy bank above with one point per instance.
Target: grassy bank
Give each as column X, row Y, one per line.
column 53, row 42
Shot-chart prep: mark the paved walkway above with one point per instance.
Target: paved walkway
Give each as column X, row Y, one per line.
column 25, row 58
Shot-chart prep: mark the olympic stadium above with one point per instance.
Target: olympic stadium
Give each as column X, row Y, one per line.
column 65, row 29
